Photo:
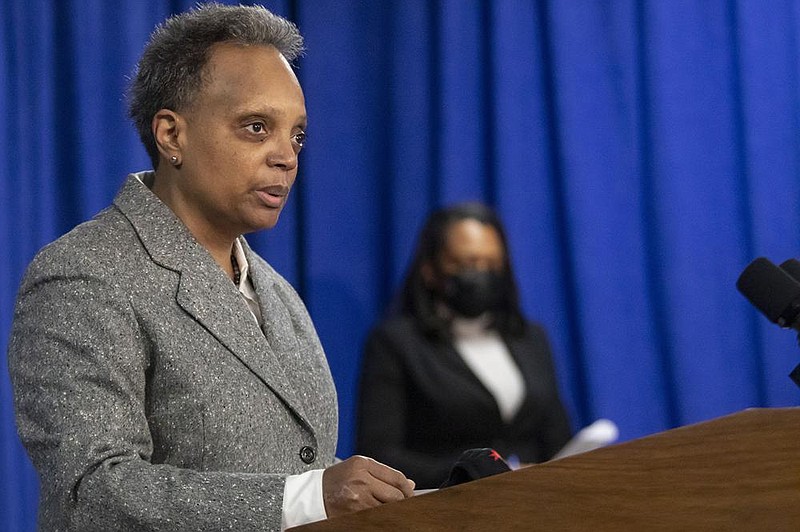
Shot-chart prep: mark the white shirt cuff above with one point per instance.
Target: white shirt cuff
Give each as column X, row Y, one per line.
column 302, row 499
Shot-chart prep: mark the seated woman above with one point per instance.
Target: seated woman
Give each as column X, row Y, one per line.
column 457, row 366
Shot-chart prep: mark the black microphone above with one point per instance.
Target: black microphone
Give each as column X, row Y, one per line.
column 474, row 464
column 792, row 267
column 775, row 291
column 772, row 291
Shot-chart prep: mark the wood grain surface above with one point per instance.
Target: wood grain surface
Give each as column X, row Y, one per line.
column 738, row 472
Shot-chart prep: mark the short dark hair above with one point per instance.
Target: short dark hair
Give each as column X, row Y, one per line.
column 170, row 72
column 418, row 300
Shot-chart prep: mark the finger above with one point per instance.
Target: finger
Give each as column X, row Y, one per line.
column 369, row 500
column 408, row 487
column 384, row 493
column 385, row 473
column 392, row 477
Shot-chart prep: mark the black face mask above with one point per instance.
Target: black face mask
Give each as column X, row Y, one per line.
column 473, row 292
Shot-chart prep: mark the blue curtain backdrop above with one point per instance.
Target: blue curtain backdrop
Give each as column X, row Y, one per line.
column 640, row 152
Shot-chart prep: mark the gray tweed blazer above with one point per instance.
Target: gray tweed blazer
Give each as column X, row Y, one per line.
column 146, row 394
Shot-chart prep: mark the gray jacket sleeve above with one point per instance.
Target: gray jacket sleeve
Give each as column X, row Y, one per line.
column 79, row 364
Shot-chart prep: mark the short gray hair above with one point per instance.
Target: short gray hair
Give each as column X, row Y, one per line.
column 170, row 72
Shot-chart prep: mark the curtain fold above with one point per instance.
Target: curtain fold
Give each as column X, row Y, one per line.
column 640, row 154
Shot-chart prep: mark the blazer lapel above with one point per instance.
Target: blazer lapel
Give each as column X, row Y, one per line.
column 279, row 330
column 218, row 306
column 205, row 292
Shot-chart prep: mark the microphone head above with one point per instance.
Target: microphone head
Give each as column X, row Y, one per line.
column 474, row 464
column 792, row 267
column 771, row 290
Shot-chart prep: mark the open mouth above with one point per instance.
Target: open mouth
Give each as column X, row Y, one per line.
column 273, row 196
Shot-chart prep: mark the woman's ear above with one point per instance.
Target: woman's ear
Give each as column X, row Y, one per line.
column 166, row 128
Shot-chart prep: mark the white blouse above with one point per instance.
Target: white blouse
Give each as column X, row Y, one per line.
column 484, row 351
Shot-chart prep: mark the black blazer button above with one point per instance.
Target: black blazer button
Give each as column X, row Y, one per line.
column 308, row 454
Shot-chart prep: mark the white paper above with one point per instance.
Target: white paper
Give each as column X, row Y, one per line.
column 599, row 434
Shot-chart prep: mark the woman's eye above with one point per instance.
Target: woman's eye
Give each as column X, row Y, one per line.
column 256, row 127
column 299, row 138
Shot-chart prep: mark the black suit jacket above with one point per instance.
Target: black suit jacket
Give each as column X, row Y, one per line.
column 420, row 405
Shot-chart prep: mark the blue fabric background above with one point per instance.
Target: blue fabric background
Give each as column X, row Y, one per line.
column 641, row 154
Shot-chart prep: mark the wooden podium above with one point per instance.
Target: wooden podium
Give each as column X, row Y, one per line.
column 737, row 472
